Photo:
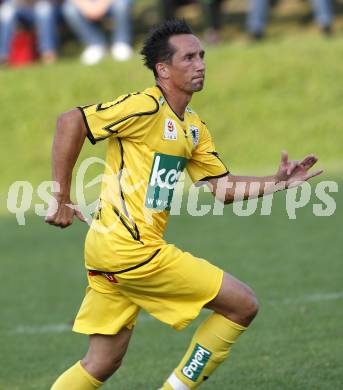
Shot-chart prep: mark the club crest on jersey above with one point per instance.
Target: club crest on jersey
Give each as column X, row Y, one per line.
column 170, row 131
column 195, row 134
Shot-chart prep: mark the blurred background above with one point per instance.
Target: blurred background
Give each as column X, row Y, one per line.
column 274, row 71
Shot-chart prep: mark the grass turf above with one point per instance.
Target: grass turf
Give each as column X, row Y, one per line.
column 264, row 98
column 293, row 265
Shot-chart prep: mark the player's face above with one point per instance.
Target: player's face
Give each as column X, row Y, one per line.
column 187, row 67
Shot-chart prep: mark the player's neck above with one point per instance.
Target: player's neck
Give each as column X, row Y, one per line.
column 177, row 100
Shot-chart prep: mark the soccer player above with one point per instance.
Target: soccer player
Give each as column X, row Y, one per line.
column 152, row 137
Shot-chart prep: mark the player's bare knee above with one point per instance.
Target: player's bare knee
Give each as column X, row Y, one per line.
column 246, row 307
column 251, row 306
column 109, row 367
column 101, row 368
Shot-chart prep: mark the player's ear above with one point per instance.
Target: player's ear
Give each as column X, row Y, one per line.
column 162, row 70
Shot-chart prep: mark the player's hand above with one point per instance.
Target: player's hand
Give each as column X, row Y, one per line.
column 62, row 214
column 296, row 172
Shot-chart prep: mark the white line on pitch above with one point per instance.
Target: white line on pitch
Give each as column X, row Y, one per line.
column 59, row 328
column 319, row 297
column 50, row 328
column 143, row 316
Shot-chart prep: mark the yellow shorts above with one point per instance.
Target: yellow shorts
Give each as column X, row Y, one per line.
column 174, row 289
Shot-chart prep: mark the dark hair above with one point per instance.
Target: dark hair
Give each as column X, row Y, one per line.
column 157, row 48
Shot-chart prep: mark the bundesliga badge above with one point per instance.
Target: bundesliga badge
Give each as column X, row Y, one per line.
column 170, row 132
column 195, row 134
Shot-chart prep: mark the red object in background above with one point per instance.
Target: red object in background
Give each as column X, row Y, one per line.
column 23, row 48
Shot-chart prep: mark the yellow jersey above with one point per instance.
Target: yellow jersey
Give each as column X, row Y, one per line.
column 149, row 146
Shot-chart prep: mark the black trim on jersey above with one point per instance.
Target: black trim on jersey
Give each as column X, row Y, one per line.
column 89, row 133
column 127, row 269
column 207, row 178
column 217, row 155
column 97, row 213
column 137, row 114
column 100, row 108
column 120, row 176
column 132, row 230
column 134, row 233
column 181, row 119
column 110, row 131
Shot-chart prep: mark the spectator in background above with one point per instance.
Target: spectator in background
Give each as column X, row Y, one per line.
column 258, row 15
column 213, row 15
column 41, row 14
column 169, row 7
column 84, row 18
column 211, row 11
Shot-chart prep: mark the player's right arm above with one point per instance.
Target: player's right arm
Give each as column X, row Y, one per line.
column 69, row 137
column 126, row 117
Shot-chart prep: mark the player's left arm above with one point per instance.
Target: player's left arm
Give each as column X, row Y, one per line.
column 291, row 173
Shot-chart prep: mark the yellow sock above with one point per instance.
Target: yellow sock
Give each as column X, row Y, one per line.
column 209, row 347
column 76, row 378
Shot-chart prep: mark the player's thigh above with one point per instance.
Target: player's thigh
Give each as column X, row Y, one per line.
column 105, row 310
column 176, row 287
column 235, row 300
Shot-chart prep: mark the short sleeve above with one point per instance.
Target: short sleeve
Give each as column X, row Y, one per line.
column 119, row 118
column 205, row 162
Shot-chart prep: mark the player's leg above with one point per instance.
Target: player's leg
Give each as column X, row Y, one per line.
column 174, row 288
column 235, row 301
column 108, row 318
column 234, row 308
column 103, row 358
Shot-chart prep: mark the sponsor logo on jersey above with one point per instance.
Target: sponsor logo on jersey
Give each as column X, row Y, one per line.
column 170, row 131
column 165, row 173
column 195, row 134
column 196, row 362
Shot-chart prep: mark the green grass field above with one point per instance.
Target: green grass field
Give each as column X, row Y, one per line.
column 283, row 94
column 293, row 265
column 264, row 98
